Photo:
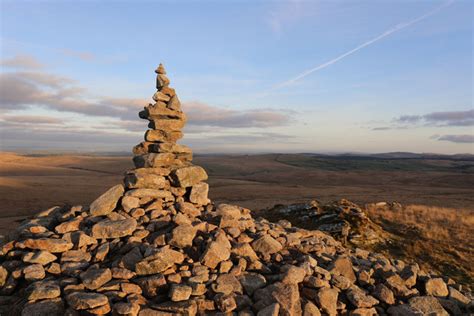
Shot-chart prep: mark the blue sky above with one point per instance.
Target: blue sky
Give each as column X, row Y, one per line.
column 75, row 73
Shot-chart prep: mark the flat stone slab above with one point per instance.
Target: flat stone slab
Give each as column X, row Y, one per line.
column 106, row 203
column 114, row 229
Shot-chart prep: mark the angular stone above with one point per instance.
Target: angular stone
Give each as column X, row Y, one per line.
column 310, row 309
column 410, row 274
column 174, row 103
column 168, row 124
column 271, row 310
column 159, row 171
column 287, row 295
column 170, row 148
column 160, row 69
column 293, row 275
column 154, row 160
column 427, row 305
column 364, row 312
column 145, row 311
column 244, row 250
column 343, row 266
column 80, row 239
column 151, row 193
column 100, row 310
column 450, row 306
column 95, row 278
column 188, row 208
column 341, row 282
column 227, row 283
column 168, row 91
column 101, row 252
column 216, row 251
column 182, row 236
column 163, row 259
column 177, row 308
column 384, row 294
column 151, row 285
column 179, row 292
column 114, row 229
column 458, row 297
column 266, row 245
column 198, row 194
column 130, row 288
column 106, row 203
column 50, row 307
column 84, row 300
column 326, row 298
column 188, row 176
column 403, row 310
column 69, row 226
column 159, row 96
column 3, row 276
column 252, row 282
column 121, row 273
column 225, row 303
column 162, row 81
column 150, row 181
column 141, row 149
column 49, row 244
column 163, row 136
column 126, row 309
column 130, row 202
column 43, row 290
column 436, row 287
column 228, row 211
column 397, row 285
column 42, row 257
column 359, row 298
column 34, row 272
column 75, row 256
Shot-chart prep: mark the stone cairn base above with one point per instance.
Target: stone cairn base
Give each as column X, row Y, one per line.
column 156, row 245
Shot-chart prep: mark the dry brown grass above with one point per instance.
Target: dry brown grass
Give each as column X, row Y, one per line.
column 441, row 238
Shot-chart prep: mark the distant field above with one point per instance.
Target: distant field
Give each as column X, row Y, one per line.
column 32, row 183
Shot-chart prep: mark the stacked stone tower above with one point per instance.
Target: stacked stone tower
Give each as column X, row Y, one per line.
column 164, row 168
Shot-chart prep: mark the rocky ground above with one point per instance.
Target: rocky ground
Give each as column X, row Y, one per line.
column 156, row 245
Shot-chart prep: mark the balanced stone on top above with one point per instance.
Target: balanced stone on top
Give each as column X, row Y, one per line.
column 160, row 69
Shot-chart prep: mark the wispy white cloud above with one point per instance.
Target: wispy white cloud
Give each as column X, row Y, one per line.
column 31, row 119
column 82, row 55
column 388, row 32
column 22, row 61
column 203, row 114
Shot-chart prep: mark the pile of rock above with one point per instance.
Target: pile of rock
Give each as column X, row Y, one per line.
column 155, row 245
column 343, row 220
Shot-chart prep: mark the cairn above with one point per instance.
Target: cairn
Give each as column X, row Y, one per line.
column 156, row 245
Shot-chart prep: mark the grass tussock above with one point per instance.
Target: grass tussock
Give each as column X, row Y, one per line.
column 441, row 239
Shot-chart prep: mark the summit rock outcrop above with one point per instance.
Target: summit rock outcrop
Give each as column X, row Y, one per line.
column 156, row 245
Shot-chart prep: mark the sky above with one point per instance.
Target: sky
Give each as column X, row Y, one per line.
column 253, row 76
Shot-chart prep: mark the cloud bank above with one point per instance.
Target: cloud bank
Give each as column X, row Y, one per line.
column 449, row 118
column 463, row 139
column 34, row 89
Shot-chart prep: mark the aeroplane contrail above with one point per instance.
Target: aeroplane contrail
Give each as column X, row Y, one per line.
column 390, row 31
